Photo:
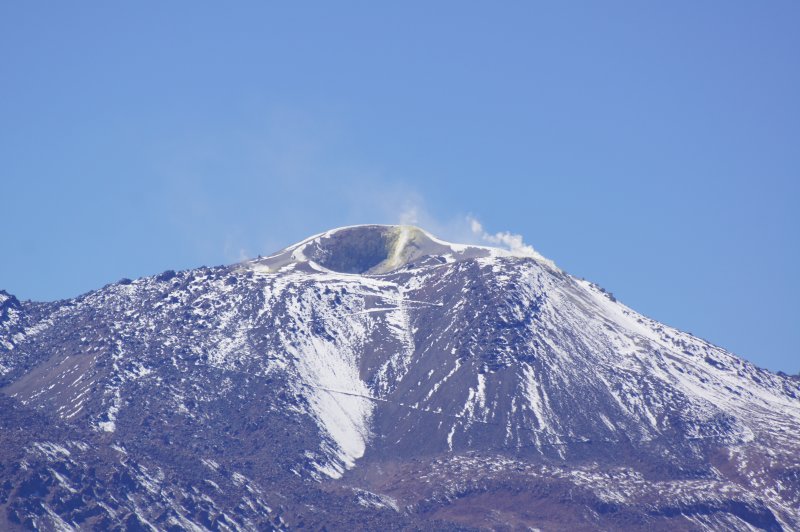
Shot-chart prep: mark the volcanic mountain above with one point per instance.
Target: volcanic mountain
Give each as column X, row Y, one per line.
column 376, row 377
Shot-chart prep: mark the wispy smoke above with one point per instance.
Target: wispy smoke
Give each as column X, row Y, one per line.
column 510, row 241
column 408, row 208
column 410, row 215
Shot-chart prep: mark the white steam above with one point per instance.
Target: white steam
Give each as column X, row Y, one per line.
column 461, row 229
column 510, row 241
column 410, row 215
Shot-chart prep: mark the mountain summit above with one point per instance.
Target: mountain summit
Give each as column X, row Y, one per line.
column 378, row 377
column 376, row 249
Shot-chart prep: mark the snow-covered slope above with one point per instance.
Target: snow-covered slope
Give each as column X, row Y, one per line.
column 377, row 372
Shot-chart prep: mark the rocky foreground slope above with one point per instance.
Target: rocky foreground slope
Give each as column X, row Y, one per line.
column 374, row 377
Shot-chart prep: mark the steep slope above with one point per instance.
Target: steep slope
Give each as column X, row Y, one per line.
column 376, row 375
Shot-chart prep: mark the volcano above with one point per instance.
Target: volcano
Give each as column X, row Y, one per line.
column 377, row 377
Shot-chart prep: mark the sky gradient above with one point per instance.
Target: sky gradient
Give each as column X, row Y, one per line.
column 653, row 149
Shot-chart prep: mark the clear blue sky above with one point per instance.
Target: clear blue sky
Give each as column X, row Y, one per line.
column 652, row 147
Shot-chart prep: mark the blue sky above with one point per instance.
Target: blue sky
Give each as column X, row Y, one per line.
column 653, row 148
